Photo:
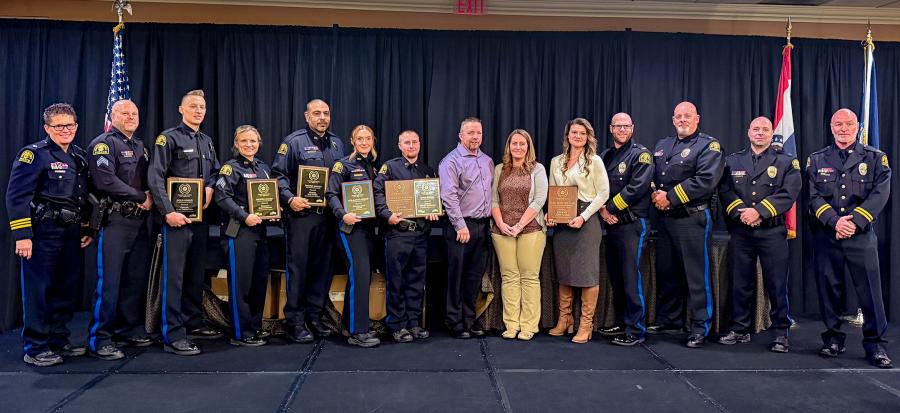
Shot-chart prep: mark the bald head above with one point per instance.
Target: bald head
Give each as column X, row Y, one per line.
column 622, row 128
column 318, row 116
column 760, row 133
column 685, row 119
column 124, row 117
column 844, row 127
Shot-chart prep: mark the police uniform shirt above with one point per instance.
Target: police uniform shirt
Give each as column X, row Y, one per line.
column 859, row 187
column 118, row 166
column 231, row 187
column 303, row 147
column 353, row 167
column 688, row 169
column 768, row 182
column 630, row 170
column 180, row 152
column 397, row 169
column 44, row 174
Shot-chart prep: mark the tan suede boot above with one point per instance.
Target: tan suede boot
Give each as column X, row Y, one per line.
column 589, row 297
column 565, row 324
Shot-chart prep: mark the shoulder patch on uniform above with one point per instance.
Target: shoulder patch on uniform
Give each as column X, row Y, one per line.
column 644, row 158
column 796, row 164
column 26, row 156
column 101, row 149
column 161, row 140
column 225, row 170
column 282, row 150
column 884, row 161
column 714, row 146
column 337, row 168
column 383, row 170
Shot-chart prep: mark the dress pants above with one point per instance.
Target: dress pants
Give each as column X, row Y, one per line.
column 625, row 244
column 248, row 276
column 357, row 249
column 406, row 254
column 466, row 264
column 682, row 259
column 184, row 264
column 310, row 238
column 770, row 246
column 520, row 284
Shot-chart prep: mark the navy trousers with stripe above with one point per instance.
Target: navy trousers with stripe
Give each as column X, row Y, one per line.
column 358, row 245
column 405, row 262
column 682, row 259
column 184, row 250
column 309, row 244
column 50, row 281
column 248, row 274
column 123, row 257
column 624, row 247
column 771, row 247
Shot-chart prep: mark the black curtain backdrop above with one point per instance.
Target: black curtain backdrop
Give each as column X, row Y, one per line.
column 429, row 81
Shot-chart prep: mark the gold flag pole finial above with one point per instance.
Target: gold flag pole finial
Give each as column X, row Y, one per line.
column 788, row 29
column 869, row 42
column 120, row 7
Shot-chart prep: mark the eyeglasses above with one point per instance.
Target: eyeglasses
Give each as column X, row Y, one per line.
column 621, row 126
column 68, row 126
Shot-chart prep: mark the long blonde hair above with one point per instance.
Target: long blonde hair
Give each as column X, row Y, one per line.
column 530, row 157
column 590, row 149
column 355, row 132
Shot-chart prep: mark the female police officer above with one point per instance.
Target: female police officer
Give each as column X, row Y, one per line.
column 356, row 235
column 245, row 237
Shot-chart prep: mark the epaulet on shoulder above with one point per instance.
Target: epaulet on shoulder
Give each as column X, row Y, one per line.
column 873, row 149
column 641, row 147
column 78, row 148
column 820, row 151
column 37, row 145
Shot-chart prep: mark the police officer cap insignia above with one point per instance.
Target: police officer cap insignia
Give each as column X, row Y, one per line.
column 383, row 170
column 337, row 168
column 161, row 140
column 796, row 164
column 282, row 150
column 26, row 156
column 714, row 146
column 884, row 161
column 644, row 158
column 225, row 170
column 101, row 149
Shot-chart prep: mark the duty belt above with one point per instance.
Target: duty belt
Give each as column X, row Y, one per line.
column 684, row 211
column 61, row 215
column 128, row 209
column 412, row 225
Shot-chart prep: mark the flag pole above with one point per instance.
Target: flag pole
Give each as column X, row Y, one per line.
column 788, row 29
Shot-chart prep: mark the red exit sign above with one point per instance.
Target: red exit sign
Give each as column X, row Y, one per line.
column 470, row 7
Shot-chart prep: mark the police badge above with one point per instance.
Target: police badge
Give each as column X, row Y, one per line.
column 622, row 167
column 863, row 168
column 772, row 171
column 685, row 152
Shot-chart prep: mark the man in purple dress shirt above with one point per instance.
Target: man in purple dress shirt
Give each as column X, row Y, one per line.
column 466, row 173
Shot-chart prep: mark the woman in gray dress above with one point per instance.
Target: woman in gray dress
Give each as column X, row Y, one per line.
column 576, row 244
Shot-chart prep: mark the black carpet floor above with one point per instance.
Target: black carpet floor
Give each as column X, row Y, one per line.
column 442, row 374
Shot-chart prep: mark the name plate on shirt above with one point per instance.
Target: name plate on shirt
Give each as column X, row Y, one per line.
column 414, row 198
column 262, row 198
column 186, row 195
column 562, row 203
column 312, row 181
column 358, row 198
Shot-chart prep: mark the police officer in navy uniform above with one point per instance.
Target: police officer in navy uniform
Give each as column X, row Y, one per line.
column 118, row 165
column 759, row 185
column 630, row 170
column 849, row 185
column 406, row 244
column 244, row 238
column 688, row 168
column 44, row 198
column 310, row 231
column 357, row 236
column 183, row 152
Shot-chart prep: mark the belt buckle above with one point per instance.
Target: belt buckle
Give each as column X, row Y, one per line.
column 412, row 226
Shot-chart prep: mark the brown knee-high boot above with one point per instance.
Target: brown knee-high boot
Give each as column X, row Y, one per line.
column 588, row 307
column 565, row 324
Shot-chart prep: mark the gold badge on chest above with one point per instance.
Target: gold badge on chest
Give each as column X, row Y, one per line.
column 685, row 152
column 772, row 171
column 863, row 168
column 622, row 167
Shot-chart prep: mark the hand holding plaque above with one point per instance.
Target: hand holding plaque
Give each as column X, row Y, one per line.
column 262, row 198
column 414, row 198
column 358, row 198
column 562, row 203
column 312, row 181
column 186, row 195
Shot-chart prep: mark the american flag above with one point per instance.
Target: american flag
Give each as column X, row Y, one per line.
column 118, row 77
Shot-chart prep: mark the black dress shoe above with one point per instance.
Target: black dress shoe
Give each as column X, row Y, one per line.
column 262, row 334
column 476, row 332
column 108, row 352
column 183, row 347
column 627, row 340
column 363, row 340
column 734, row 337
column 301, row 335
column 319, row 330
column 780, row 344
column 664, row 329
column 831, row 350
column 205, row 333
column 695, row 341
column 69, row 350
column 880, row 359
column 252, row 341
column 463, row 335
column 419, row 333
column 612, row 331
column 45, row 359
column 139, row 341
column 402, row 336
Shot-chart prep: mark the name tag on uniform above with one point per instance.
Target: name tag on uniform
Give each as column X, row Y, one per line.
column 188, row 150
column 249, row 175
column 311, row 149
column 826, row 171
column 659, row 153
column 128, row 154
column 357, row 173
column 738, row 174
column 59, row 166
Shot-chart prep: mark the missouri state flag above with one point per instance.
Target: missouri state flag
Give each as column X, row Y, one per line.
column 784, row 127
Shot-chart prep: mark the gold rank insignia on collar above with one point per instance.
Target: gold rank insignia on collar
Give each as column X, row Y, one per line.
column 161, row 140
column 772, row 171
